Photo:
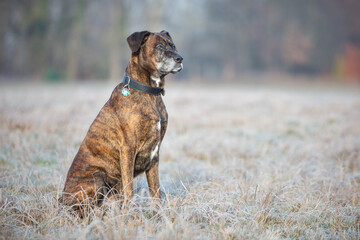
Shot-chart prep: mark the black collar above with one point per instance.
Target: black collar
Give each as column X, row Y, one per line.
column 133, row 84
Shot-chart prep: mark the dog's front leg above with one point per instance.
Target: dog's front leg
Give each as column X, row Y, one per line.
column 152, row 176
column 127, row 161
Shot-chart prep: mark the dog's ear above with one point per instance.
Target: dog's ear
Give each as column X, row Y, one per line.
column 136, row 39
column 166, row 34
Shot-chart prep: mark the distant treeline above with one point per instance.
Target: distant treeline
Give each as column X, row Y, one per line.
column 78, row 39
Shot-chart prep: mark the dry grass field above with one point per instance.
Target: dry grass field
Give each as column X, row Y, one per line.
column 237, row 162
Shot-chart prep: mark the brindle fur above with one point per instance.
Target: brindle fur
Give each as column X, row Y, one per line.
column 119, row 142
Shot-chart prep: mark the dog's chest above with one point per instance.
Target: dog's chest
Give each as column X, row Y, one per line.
column 148, row 153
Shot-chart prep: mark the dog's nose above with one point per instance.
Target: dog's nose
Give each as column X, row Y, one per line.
column 178, row 58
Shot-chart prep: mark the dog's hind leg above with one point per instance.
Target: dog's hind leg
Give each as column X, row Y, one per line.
column 84, row 193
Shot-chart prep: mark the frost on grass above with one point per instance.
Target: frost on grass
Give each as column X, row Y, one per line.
column 244, row 163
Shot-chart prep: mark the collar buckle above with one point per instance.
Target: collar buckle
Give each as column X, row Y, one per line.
column 126, row 81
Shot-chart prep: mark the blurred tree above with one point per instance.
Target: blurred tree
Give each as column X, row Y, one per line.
column 74, row 42
column 117, row 20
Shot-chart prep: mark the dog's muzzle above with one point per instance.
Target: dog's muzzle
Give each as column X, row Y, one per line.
column 178, row 66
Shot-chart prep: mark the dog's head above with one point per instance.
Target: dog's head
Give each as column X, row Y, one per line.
column 156, row 52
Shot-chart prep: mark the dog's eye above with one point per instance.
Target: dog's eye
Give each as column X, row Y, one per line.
column 160, row 47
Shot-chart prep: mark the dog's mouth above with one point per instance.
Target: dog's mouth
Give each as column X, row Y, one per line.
column 178, row 68
column 167, row 68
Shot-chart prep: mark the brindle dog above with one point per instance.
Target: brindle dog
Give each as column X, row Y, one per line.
column 125, row 138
